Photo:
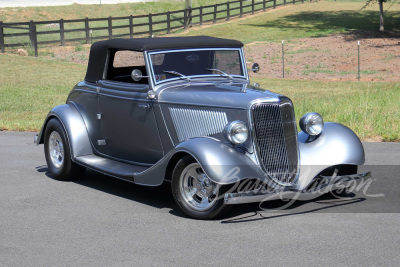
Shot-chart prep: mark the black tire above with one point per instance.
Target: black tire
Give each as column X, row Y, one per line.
column 60, row 167
column 216, row 210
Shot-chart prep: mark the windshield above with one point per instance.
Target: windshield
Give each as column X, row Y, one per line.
column 182, row 64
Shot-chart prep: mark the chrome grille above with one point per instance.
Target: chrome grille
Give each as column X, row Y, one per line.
column 276, row 140
column 190, row 123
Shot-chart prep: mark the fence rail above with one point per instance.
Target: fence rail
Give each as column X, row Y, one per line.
column 34, row 33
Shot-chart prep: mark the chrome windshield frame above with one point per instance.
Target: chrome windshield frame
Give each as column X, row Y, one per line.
column 155, row 84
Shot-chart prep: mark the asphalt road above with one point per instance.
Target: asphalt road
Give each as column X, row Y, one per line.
column 101, row 221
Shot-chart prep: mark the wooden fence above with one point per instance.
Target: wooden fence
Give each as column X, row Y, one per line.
column 34, row 33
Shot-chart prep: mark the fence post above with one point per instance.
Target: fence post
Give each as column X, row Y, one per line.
column 264, row 6
column 185, row 19
column 227, row 10
column 252, row 7
column 294, row 2
column 1, row 37
column 87, row 30
column 109, row 28
column 130, row 26
column 62, row 39
column 151, row 25
column 201, row 15
column 274, row 4
column 241, row 8
column 215, row 14
column 189, row 17
column 168, row 22
column 33, row 36
column 284, row 2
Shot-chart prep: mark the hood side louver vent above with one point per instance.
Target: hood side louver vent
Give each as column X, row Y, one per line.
column 191, row 123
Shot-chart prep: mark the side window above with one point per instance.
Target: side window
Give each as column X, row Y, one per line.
column 121, row 65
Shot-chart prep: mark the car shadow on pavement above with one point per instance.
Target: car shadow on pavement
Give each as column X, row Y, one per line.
column 275, row 209
column 161, row 197
column 158, row 197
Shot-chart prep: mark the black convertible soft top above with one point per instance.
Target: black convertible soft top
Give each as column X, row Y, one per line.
column 99, row 50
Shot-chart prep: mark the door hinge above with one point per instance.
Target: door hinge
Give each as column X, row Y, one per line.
column 99, row 116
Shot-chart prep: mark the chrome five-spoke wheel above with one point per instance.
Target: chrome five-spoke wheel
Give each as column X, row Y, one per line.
column 195, row 193
column 198, row 191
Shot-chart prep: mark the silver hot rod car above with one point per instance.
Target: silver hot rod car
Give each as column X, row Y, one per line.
column 182, row 110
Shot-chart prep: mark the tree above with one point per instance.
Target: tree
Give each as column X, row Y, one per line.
column 381, row 13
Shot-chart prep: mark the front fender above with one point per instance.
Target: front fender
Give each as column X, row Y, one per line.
column 336, row 145
column 73, row 125
column 222, row 163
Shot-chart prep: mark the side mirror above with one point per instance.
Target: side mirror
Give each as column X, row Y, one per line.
column 255, row 68
column 137, row 75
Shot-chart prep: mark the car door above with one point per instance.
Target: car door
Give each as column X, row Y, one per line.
column 128, row 123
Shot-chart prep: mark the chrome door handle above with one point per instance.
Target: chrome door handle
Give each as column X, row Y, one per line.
column 144, row 106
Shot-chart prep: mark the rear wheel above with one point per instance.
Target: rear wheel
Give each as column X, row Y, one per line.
column 195, row 193
column 58, row 155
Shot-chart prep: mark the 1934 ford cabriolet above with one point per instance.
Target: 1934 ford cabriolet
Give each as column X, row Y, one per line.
column 182, row 110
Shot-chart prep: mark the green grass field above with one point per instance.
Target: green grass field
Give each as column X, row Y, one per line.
column 304, row 20
column 75, row 30
column 76, row 11
column 30, row 87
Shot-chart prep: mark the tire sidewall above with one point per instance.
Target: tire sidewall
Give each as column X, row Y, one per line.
column 210, row 213
column 58, row 173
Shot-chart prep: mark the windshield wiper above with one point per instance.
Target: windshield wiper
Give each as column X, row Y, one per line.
column 177, row 74
column 222, row 74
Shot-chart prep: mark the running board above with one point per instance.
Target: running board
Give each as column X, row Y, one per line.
column 110, row 167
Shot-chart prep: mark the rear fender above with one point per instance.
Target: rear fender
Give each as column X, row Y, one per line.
column 73, row 125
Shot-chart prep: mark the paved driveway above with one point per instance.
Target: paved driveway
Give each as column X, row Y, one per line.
column 102, row 221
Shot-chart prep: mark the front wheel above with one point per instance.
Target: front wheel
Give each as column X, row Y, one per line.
column 195, row 193
column 58, row 155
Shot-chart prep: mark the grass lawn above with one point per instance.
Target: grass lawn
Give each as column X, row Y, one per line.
column 304, row 20
column 371, row 109
column 30, row 87
column 76, row 11
column 75, row 30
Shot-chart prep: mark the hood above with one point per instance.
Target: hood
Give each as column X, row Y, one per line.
column 217, row 94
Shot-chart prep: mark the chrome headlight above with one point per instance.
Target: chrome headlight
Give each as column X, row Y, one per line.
column 312, row 123
column 236, row 132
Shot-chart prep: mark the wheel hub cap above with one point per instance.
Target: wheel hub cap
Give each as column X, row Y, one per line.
column 56, row 149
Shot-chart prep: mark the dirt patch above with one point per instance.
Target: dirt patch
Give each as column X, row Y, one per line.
column 331, row 58
column 76, row 54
